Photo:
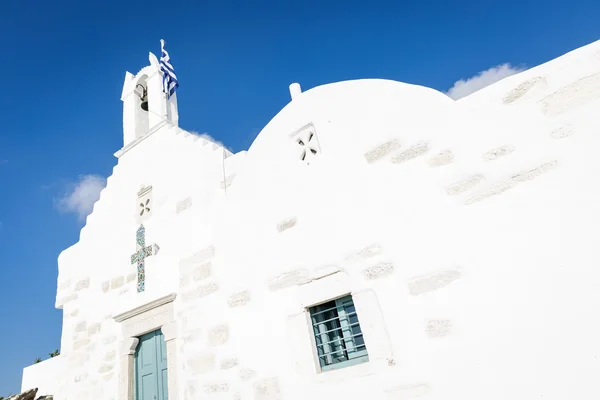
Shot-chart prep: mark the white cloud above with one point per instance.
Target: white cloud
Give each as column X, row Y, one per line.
column 463, row 88
column 81, row 196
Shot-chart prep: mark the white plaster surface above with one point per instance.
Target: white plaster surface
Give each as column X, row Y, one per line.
column 514, row 271
column 46, row 375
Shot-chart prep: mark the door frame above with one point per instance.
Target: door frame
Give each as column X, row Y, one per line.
column 157, row 314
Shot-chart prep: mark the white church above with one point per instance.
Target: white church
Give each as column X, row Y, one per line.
column 377, row 241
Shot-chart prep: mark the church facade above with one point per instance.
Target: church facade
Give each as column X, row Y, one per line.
column 378, row 240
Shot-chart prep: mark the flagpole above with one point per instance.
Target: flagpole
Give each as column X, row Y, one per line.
column 166, row 102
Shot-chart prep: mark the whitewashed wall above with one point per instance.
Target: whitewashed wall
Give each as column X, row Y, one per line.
column 466, row 238
column 47, row 376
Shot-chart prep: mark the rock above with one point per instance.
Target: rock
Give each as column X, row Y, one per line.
column 28, row 395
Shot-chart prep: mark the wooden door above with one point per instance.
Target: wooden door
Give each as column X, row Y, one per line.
column 151, row 367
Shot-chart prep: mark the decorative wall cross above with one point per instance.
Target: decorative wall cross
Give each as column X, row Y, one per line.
column 140, row 256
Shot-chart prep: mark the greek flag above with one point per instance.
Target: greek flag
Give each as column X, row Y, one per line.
column 170, row 83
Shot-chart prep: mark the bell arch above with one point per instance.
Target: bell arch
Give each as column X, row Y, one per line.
column 142, row 114
column 145, row 106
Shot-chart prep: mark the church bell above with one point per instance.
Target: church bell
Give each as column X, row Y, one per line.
column 143, row 96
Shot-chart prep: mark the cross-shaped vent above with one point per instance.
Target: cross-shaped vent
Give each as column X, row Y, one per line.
column 144, row 207
column 308, row 142
column 144, row 204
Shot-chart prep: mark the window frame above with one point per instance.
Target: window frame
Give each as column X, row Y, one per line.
column 353, row 356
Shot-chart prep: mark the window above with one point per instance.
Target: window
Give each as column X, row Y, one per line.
column 338, row 336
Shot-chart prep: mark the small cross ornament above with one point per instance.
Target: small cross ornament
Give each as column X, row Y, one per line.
column 140, row 256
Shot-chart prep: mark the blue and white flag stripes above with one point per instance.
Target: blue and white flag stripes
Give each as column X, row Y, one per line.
column 170, row 83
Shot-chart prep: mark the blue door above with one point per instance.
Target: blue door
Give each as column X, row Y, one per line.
column 151, row 367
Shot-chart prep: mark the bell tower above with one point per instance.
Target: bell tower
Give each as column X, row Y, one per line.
column 145, row 105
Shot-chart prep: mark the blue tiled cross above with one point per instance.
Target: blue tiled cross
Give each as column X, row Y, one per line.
column 143, row 251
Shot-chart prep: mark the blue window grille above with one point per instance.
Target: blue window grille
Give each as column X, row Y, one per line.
column 338, row 336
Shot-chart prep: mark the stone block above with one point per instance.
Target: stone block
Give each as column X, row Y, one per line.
column 105, row 368
column 497, row 153
column 438, row 328
column 228, row 363
column 93, row 329
column 108, row 376
column 82, row 284
column 202, row 363
column 443, row 158
column 200, row 291
column 218, row 335
column 378, row 271
column 216, row 387
column 434, row 281
column 493, row 190
column 110, row 356
column 523, row 88
column 287, row 224
column 464, row 185
column 562, row 132
column 80, row 378
column 198, row 258
column 291, row 278
column 528, row 175
column 367, row 252
column 502, row 187
column 183, row 205
column 73, row 313
column 382, row 150
column 247, row 374
column 239, row 299
column 131, row 277
column 202, row 272
column 81, row 327
column 409, row 154
column 117, row 282
column 576, row 94
column 267, row 389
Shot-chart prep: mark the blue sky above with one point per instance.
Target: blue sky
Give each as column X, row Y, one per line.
column 63, row 65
